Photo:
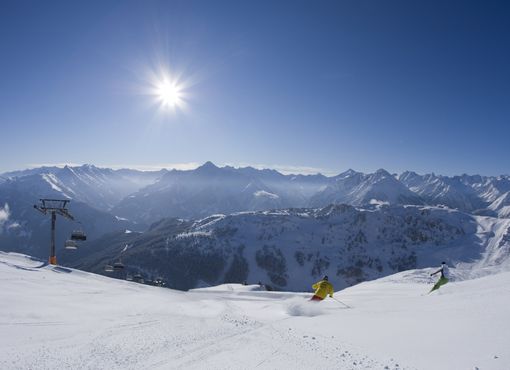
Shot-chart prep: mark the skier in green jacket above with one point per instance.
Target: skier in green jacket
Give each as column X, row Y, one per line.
column 444, row 276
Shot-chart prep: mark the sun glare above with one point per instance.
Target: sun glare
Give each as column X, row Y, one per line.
column 168, row 93
column 167, row 90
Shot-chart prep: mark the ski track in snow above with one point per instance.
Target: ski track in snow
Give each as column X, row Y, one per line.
column 77, row 320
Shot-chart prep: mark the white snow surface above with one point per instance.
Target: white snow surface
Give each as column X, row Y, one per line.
column 56, row 184
column 502, row 205
column 59, row 318
column 263, row 193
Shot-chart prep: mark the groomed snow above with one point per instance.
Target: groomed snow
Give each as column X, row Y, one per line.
column 56, row 318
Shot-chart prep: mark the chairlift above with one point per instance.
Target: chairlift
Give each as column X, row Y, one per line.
column 159, row 281
column 78, row 235
column 138, row 278
column 108, row 268
column 117, row 266
column 71, row 244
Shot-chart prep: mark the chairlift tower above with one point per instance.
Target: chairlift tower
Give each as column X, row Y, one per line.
column 54, row 207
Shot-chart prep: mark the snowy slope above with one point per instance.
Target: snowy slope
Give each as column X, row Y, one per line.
column 56, row 318
column 502, row 205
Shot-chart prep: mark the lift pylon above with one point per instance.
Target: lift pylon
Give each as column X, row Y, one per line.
column 54, row 207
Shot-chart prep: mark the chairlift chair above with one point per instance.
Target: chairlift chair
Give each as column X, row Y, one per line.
column 78, row 235
column 118, row 266
column 138, row 278
column 71, row 244
column 108, row 268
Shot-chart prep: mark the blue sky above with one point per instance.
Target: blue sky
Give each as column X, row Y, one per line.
column 326, row 85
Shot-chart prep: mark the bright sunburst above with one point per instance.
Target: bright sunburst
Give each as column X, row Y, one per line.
column 166, row 88
column 168, row 93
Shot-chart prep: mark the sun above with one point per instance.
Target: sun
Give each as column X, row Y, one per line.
column 168, row 93
column 166, row 90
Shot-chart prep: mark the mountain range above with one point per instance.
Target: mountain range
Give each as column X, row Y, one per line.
column 164, row 212
column 146, row 197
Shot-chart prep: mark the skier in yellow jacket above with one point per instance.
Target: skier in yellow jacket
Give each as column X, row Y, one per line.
column 322, row 289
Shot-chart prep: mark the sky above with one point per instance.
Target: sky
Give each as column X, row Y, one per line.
column 303, row 85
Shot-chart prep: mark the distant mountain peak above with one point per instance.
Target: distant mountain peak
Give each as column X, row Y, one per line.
column 208, row 166
column 381, row 174
column 89, row 167
column 382, row 171
column 409, row 173
column 349, row 173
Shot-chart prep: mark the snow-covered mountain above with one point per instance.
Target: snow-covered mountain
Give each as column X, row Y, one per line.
column 502, row 205
column 90, row 189
column 100, row 188
column 356, row 188
column 146, row 197
column 450, row 191
column 488, row 188
column 209, row 189
column 106, row 200
column 55, row 317
column 30, row 171
column 286, row 248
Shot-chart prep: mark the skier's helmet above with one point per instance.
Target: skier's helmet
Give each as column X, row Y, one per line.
column 325, row 278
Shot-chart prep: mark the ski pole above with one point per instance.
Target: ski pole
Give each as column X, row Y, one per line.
column 346, row 305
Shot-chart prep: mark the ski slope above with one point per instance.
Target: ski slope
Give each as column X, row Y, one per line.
column 58, row 318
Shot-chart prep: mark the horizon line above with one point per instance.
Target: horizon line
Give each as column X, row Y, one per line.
column 187, row 166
